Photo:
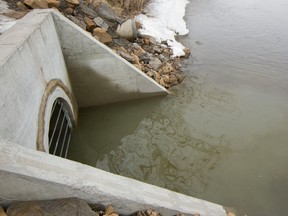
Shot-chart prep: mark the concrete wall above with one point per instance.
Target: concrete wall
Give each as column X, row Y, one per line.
column 97, row 74
column 30, row 58
column 44, row 176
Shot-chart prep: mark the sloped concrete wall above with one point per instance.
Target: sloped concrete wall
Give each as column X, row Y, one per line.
column 97, row 74
column 34, row 175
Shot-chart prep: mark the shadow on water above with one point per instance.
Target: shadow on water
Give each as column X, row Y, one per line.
column 100, row 128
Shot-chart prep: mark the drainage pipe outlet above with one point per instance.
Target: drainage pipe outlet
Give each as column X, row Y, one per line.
column 127, row 29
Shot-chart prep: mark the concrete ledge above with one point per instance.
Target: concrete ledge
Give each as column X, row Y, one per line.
column 43, row 176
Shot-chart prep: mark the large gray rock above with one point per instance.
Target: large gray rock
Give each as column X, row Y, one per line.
column 121, row 42
column 105, row 12
column 101, row 23
column 78, row 22
column 155, row 63
column 88, row 11
column 146, row 57
column 69, row 207
column 126, row 56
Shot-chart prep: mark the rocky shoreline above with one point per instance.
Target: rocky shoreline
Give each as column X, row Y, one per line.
column 102, row 18
column 68, row 206
column 71, row 207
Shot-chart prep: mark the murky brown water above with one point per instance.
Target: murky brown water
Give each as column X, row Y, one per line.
column 223, row 136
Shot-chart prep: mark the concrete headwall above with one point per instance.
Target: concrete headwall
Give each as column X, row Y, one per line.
column 30, row 58
column 37, row 51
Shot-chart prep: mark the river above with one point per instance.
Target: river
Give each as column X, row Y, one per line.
column 223, row 135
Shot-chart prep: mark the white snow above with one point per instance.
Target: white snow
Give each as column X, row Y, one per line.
column 164, row 20
column 5, row 22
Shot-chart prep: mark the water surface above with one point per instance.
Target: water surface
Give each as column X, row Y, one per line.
column 223, row 136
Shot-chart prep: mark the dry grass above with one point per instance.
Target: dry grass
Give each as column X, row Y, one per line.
column 127, row 8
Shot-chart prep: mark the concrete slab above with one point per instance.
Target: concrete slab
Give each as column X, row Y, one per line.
column 30, row 175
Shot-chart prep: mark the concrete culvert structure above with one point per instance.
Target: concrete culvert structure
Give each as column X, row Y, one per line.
column 47, row 65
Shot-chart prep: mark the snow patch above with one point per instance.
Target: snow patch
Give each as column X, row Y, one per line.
column 164, row 20
column 5, row 22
